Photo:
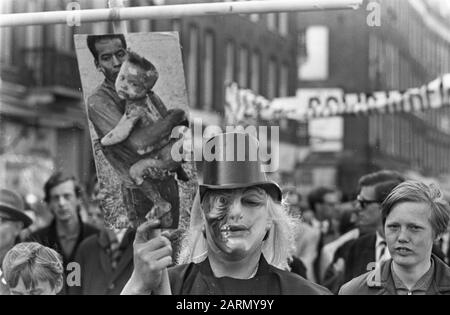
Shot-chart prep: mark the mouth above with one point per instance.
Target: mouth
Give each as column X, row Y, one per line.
column 122, row 94
column 403, row 251
column 234, row 228
column 230, row 231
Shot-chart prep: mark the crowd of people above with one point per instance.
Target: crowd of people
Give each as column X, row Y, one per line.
column 247, row 236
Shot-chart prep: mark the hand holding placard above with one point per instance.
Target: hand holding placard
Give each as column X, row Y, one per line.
column 152, row 256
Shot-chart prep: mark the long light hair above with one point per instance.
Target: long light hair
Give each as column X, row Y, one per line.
column 277, row 248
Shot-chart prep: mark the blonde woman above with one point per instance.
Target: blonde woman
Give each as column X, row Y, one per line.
column 240, row 235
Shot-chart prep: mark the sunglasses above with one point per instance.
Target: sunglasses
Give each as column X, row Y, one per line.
column 363, row 203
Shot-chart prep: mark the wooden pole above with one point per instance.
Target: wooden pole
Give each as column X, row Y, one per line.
column 116, row 14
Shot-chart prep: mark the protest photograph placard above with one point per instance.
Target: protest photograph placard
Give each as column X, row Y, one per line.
column 136, row 100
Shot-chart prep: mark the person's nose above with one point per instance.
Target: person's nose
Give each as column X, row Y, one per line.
column 235, row 211
column 116, row 61
column 403, row 236
column 61, row 201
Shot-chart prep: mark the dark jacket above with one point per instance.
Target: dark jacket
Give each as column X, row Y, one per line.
column 97, row 275
column 360, row 253
column 383, row 284
column 198, row 279
column 48, row 236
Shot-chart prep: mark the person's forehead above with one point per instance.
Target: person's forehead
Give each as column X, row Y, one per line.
column 63, row 188
column 410, row 212
column 108, row 46
column 132, row 69
column 331, row 197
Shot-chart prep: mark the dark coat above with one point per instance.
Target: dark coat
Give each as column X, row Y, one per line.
column 48, row 237
column 360, row 253
column 368, row 284
column 198, row 279
column 97, row 276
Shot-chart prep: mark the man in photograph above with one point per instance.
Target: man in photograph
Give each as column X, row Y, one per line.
column 106, row 109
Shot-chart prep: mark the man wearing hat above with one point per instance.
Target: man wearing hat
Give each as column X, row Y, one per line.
column 12, row 221
column 240, row 236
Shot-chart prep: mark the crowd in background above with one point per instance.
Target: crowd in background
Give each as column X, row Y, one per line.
column 335, row 241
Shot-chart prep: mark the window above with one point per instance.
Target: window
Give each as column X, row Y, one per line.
column 193, row 67
column 254, row 17
column 283, row 23
column 284, row 81
column 208, row 72
column 243, row 67
column 256, row 72
column 272, row 79
column 230, row 63
column 272, row 21
column 315, row 67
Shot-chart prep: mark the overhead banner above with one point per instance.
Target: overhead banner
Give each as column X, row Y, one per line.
column 243, row 104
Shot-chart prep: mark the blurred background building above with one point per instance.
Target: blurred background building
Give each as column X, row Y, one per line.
column 386, row 45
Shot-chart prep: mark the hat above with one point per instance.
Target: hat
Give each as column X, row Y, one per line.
column 12, row 205
column 235, row 163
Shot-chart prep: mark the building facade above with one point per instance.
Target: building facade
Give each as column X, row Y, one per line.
column 43, row 121
column 386, row 45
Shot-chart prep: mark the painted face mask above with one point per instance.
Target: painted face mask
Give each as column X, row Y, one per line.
column 236, row 220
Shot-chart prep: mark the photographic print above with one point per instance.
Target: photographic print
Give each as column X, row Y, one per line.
column 135, row 96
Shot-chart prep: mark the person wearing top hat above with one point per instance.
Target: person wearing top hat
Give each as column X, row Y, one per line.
column 12, row 221
column 240, row 236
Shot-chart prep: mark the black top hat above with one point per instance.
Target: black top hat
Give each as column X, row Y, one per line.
column 235, row 163
column 12, row 207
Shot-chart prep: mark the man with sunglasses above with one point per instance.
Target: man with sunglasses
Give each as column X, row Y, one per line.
column 355, row 257
column 12, row 221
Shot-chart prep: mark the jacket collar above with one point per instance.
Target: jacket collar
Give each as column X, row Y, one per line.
column 381, row 278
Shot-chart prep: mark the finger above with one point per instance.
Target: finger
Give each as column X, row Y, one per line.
column 167, row 234
column 158, row 254
column 147, row 231
column 164, row 262
column 152, row 245
column 159, row 265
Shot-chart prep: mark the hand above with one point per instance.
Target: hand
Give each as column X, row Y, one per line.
column 152, row 255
